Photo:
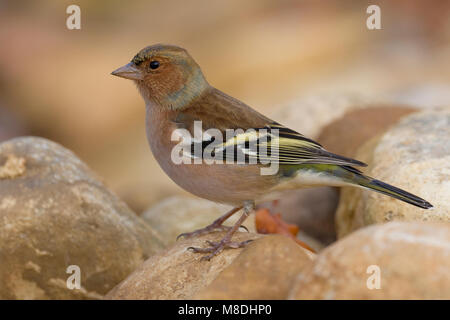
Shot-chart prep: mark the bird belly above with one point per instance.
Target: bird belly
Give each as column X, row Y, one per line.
column 303, row 178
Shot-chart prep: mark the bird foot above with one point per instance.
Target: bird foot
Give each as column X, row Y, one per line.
column 216, row 247
column 206, row 230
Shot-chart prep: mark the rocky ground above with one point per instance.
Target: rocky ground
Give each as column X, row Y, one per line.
column 55, row 213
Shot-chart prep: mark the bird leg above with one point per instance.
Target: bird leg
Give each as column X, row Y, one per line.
column 216, row 247
column 215, row 226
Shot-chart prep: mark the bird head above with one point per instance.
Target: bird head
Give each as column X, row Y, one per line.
column 165, row 75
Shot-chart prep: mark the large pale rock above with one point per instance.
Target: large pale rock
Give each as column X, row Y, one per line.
column 178, row 214
column 412, row 260
column 310, row 114
column 54, row 213
column 262, row 270
column 413, row 155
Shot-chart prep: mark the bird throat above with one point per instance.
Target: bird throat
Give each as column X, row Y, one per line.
column 195, row 86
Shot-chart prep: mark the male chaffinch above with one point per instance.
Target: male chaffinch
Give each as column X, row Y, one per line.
column 176, row 94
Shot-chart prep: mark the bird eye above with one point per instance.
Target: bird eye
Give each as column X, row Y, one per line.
column 154, row 64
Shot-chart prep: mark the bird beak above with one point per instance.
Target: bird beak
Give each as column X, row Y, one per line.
column 128, row 71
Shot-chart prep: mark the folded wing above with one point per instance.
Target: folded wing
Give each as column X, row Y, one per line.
column 275, row 142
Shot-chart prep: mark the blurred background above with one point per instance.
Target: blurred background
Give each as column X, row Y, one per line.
column 56, row 83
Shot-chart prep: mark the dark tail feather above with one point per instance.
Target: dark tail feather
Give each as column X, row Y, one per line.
column 392, row 191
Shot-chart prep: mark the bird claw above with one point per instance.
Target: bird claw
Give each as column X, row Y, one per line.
column 216, row 247
column 244, row 227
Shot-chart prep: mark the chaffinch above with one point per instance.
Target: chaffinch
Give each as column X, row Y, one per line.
column 178, row 98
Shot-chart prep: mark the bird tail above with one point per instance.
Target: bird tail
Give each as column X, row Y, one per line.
column 387, row 189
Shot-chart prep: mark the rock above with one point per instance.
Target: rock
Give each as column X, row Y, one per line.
column 13, row 167
column 413, row 155
column 177, row 273
column 179, row 214
column 321, row 111
column 413, row 260
column 54, row 212
column 345, row 135
column 423, row 95
column 262, row 270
